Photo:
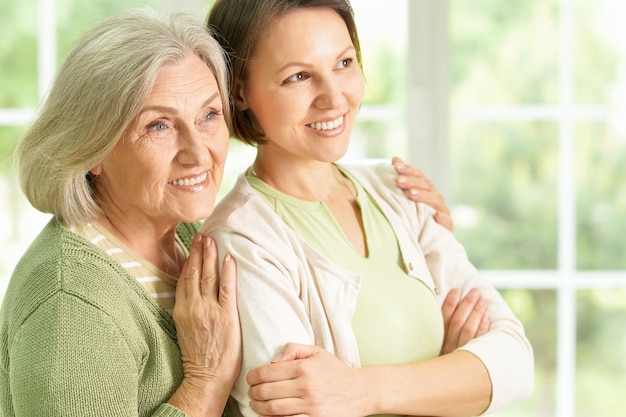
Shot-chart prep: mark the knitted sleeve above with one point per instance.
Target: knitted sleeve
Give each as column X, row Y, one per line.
column 69, row 359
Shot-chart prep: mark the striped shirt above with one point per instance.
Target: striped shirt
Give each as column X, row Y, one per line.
column 159, row 284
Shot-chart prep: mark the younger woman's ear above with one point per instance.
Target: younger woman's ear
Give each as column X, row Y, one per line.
column 240, row 99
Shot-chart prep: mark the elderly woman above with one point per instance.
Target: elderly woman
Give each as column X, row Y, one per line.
column 127, row 153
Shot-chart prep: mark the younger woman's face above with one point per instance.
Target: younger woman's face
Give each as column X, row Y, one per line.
column 304, row 86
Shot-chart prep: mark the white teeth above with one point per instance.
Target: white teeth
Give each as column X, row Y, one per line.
column 190, row 181
column 327, row 125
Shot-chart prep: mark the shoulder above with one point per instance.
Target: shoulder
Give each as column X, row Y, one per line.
column 241, row 209
column 61, row 262
column 379, row 180
column 373, row 174
column 244, row 225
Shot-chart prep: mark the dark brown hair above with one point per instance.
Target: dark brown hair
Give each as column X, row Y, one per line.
column 238, row 24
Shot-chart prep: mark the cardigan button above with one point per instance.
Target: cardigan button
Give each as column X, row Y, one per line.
column 436, row 289
column 410, row 266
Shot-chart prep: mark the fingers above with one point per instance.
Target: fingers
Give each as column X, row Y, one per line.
column 464, row 319
column 276, row 406
column 476, row 320
column 200, row 273
column 279, row 389
column 314, row 386
column 190, row 269
column 210, row 272
column 199, row 276
column 444, row 220
column 228, row 285
column 485, row 324
column 285, row 366
column 418, row 187
column 402, row 168
column 274, row 372
column 450, row 304
column 423, row 191
column 293, row 351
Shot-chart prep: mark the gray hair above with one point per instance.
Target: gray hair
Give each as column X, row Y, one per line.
column 96, row 96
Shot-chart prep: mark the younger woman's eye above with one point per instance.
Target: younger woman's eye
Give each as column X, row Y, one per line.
column 344, row 63
column 300, row 76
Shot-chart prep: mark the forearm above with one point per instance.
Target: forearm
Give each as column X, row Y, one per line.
column 427, row 387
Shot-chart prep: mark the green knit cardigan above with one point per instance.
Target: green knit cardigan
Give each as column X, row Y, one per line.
column 80, row 337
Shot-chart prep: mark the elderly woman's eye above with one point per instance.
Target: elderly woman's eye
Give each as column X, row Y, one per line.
column 157, row 126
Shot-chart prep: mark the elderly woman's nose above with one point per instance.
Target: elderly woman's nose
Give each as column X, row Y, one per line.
column 194, row 148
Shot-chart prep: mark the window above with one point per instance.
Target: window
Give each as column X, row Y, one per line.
column 536, row 160
column 515, row 109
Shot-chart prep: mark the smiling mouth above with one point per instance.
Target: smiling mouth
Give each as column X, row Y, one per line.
column 186, row 182
column 333, row 124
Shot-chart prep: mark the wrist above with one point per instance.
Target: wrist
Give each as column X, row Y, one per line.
column 201, row 396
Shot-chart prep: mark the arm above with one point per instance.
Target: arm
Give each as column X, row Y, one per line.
column 464, row 319
column 419, row 188
column 71, row 358
column 271, row 312
column 73, row 365
column 296, row 386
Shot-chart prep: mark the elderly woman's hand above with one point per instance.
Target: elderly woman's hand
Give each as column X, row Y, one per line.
column 208, row 329
column 420, row 189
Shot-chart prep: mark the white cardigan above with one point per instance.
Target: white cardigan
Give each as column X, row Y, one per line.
column 288, row 292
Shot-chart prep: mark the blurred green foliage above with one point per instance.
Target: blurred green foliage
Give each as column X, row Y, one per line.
column 19, row 87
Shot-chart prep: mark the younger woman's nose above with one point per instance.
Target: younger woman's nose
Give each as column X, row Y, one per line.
column 330, row 94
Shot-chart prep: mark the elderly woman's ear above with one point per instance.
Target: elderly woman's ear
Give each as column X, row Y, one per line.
column 93, row 173
column 97, row 170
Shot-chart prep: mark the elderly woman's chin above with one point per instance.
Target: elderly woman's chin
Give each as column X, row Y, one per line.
column 198, row 208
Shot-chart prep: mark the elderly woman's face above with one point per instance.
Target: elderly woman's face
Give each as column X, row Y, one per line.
column 168, row 166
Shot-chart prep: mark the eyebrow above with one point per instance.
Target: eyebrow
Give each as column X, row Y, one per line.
column 302, row 64
column 167, row 109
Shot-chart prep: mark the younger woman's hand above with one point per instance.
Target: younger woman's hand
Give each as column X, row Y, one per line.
column 305, row 381
column 464, row 318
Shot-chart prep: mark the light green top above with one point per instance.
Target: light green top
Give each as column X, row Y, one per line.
column 397, row 318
